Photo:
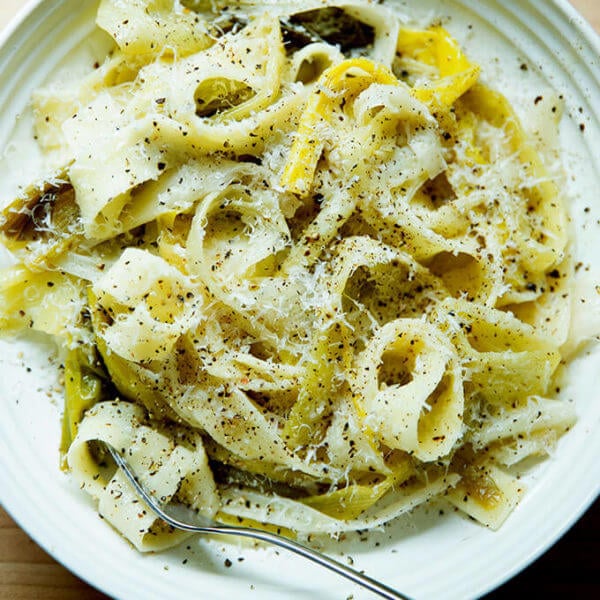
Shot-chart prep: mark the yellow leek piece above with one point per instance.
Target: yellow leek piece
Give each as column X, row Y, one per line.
column 337, row 84
column 437, row 48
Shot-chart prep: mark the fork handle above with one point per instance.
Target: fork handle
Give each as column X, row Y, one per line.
column 325, row 561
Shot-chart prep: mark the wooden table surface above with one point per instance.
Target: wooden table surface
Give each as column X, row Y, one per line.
column 570, row 569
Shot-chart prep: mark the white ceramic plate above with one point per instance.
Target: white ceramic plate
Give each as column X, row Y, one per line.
column 424, row 555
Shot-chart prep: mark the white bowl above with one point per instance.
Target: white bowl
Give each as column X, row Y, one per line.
column 423, row 555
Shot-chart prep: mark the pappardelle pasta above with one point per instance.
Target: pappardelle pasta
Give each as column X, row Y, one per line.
column 306, row 270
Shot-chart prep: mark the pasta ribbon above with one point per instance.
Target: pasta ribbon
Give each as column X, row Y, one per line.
column 487, row 493
column 172, row 465
column 407, row 389
column 153, row 26
column 300, row 517
column 543, row 215
column 145, row 321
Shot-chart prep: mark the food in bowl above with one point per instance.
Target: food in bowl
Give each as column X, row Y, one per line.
column 305, row 268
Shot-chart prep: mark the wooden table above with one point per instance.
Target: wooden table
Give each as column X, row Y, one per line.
column 570, row 569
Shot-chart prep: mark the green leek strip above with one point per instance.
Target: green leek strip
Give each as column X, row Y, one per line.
column 330, row 353
column 83, row 389
column 127, row 376
column 272, row 471
column 43, row 243
column 351, row 501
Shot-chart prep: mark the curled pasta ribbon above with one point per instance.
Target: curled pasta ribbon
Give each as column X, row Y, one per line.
column 309, row 63
column 336, row 85
column 233, row 232
column 140, row 141
column 167, row 467
column 419, row 408
column 436, row 47
column 396, row 285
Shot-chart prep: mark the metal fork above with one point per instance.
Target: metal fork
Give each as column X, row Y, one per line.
column 212, row 527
